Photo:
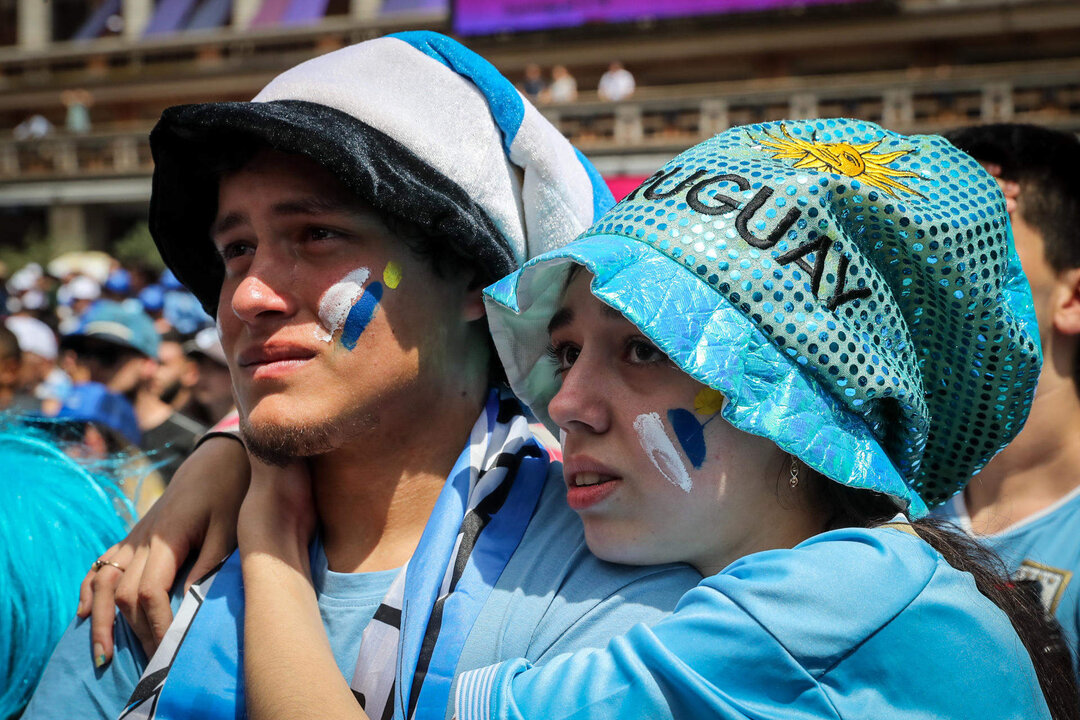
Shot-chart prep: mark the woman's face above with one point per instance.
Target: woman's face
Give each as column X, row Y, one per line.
column 652, row 469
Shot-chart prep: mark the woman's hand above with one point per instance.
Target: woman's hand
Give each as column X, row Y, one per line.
column 278, row 514
column 198, row 511
column 289, row 668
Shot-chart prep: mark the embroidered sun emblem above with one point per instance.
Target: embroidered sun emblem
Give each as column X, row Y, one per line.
column 855, row 161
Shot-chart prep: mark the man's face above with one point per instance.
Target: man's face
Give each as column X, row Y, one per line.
column 331, row 327
column 173, row 366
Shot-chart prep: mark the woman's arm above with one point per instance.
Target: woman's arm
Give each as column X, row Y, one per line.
column 289, row 668
column 196, row 512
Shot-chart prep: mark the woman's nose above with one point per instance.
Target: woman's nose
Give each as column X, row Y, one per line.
column 581, row 403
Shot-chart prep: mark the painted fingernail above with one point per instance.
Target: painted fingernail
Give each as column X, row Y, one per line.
column 99, row 655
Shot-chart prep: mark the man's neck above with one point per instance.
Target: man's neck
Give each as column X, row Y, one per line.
column 374, row 496
column 1041, row 466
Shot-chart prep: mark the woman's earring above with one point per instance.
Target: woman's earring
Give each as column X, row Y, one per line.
column 794, row 481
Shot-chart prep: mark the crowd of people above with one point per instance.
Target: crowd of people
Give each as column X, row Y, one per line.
column 126, row 358
column 776, row 369
column 617, row 83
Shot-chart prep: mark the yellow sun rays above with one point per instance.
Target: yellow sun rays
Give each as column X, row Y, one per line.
column 853, row 160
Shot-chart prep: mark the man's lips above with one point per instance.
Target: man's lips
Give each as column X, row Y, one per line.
column 272, row 358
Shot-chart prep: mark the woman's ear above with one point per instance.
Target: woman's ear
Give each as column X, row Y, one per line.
column 473, row 307
column 1067, row 303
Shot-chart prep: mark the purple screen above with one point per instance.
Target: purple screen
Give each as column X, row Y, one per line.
column 485, row 17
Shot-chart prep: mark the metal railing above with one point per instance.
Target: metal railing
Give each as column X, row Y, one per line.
column 672, row 118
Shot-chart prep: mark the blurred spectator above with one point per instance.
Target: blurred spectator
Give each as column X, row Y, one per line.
column 34, row 127
column 97, row 424
column 152, row 298
column 213, row 392
column 56, row 518
column 10, row 364
column 563, row 86
column 533, row 85
column 114, row 344
column 118, row 346
column 177, row 373
column 75, row 297
column 112, row 414
column 616, row 84
column 118, row 285
column 41, row 383
column 78, row 104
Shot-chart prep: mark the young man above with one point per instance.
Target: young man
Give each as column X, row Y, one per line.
column 341, row 227
column 1026, row 503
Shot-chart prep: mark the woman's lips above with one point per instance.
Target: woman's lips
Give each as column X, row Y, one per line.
column 588, row 482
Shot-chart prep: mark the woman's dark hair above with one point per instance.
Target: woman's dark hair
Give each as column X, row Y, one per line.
column 1038, row 630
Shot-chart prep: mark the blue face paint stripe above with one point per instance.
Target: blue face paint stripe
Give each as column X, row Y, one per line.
column 690, row 434
column 360, row 315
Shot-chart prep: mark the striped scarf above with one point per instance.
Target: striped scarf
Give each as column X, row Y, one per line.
column 409, row 650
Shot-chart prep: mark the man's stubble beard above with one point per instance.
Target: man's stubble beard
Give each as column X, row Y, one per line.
column 279, row 445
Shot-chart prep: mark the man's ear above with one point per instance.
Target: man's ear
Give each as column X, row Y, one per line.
column 473, row 307
column 1067, row 307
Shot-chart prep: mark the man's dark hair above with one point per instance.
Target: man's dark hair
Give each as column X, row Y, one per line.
column 1046, row 164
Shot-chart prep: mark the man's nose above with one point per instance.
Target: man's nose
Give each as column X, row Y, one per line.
column 265, row 290
column 581, row 404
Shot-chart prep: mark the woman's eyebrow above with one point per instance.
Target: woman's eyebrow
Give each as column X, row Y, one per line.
column 562, row 318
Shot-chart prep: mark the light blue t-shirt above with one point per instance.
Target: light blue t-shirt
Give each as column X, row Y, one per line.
column 552, row 597
column 1043, row 548
column 850, row 624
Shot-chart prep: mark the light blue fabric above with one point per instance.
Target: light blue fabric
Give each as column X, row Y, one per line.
column 852, row 623
column 711, row 340
column 553, row 596
column 71, row 687
column 1045, row 549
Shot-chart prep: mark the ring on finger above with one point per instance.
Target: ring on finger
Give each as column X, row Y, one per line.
column 100, row 563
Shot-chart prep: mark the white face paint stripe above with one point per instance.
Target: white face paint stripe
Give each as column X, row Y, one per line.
column 338, row 300
column 661, row 451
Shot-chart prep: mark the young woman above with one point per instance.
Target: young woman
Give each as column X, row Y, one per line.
column 767, row 362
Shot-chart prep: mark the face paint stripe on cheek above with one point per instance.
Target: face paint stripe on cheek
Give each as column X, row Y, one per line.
column 660, row 450
column 338, row 300
column 361, row 315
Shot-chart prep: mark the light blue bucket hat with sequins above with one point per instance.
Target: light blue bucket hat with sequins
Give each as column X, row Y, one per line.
column 854, row 294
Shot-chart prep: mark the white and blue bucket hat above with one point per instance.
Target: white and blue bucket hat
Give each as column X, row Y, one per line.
column 854, row 294
column 414, row 124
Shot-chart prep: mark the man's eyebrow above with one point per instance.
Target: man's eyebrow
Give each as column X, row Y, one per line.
column 227, row 223
column 316, row 205
column 560, row 319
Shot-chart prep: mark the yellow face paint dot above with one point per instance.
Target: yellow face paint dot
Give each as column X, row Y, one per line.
column 708, row 401
column 391, row 275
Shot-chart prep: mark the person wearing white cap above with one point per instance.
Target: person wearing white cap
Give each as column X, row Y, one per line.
column 39, row 377
column 213, row 389
column 340, row 227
